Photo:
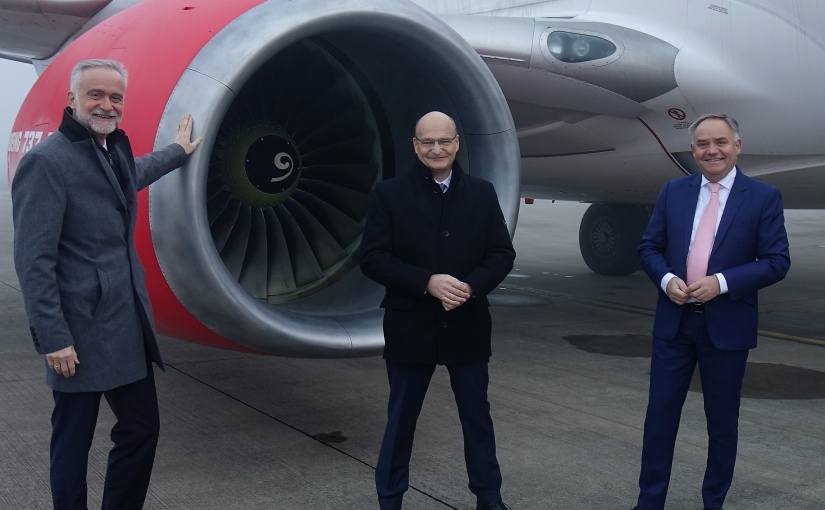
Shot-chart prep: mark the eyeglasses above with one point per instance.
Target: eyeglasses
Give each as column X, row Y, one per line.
column 443, row 143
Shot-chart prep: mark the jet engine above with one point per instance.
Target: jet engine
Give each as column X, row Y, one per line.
column 304, row 107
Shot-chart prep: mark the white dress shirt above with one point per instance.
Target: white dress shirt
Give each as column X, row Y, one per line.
column 446, row 182
column 704, row 197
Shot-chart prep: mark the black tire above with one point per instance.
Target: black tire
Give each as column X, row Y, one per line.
column 609, row 236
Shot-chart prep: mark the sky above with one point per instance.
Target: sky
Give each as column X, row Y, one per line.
column 15, row 81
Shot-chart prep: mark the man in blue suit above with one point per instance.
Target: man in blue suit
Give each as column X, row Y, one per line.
column 709, row 268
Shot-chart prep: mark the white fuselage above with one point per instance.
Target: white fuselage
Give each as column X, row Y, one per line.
column 760, row 61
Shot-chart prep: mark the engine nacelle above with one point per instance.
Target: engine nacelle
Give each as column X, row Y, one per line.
column 303, row 107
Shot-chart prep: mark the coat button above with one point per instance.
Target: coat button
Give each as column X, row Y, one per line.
column 446, row 233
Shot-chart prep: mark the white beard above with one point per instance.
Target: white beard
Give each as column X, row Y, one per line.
column 97, row 124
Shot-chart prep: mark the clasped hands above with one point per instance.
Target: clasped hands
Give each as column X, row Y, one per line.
column 451, row 291
column 703, row 290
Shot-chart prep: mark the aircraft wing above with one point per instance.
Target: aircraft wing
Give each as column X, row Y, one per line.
column 515, row 49
column 38, row 29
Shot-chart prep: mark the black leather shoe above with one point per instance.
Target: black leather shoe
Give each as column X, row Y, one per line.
column 493, row 506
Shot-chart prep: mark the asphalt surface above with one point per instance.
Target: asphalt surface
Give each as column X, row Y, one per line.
column 568, row 390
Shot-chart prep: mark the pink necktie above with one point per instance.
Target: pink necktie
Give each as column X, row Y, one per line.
column 697, row 262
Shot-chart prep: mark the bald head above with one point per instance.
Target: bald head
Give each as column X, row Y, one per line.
column 436, row 143
column 435, row 119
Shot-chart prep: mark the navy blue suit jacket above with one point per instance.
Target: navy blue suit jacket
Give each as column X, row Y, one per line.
column 750, row 250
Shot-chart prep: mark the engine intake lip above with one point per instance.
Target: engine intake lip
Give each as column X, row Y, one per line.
column 342, row 319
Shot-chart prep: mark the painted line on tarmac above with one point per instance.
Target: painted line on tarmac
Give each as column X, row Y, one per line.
column 586, row 301
column 791, row 338
column 643, row 311
column 228, row 394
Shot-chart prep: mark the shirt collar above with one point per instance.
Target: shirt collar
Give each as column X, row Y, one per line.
column 727, row 181
column 446, row 181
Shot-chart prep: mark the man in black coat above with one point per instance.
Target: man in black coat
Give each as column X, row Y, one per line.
column 436, row 238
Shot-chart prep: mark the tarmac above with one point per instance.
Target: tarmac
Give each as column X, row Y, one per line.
column 568, row 390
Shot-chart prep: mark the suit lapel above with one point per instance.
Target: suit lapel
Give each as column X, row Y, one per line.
column 735, row 200
column 690, row 200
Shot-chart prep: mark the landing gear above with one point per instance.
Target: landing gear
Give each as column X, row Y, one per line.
column 609, row 235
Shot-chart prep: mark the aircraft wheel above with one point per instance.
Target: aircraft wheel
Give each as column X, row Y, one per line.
column 608, row 237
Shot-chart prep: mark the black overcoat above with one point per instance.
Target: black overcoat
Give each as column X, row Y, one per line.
column 413, row 231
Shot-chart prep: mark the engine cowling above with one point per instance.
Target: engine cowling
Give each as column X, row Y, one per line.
column 303, row 107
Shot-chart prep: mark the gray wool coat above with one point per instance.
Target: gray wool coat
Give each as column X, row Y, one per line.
column 74, row 252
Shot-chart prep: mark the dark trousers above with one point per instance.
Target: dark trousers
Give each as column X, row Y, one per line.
column 408, row 386
column 135, row 437
column 671, row 370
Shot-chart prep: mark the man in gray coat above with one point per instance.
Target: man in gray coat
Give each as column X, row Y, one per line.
column 75, row 209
